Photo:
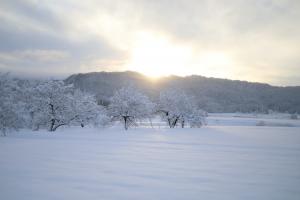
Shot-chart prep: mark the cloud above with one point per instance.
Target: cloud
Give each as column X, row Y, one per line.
column 36, row 55
column 100, row 35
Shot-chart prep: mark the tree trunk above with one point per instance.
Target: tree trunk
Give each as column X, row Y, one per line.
column 52, row 120
column 169, row 123
column 125, row 122
column 174, row 122
column 52, row 125
column 169, row 120
column 151, row 123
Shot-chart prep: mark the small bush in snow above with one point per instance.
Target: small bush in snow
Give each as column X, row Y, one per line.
column 261, row 123
column 294, row 116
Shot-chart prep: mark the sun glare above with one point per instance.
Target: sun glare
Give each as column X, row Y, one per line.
column 156, row 56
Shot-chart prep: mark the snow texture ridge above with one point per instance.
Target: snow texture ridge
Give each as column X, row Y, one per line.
column 218, row 162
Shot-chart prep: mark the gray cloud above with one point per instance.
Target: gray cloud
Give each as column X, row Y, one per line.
column 98, row 35
column 35, row 39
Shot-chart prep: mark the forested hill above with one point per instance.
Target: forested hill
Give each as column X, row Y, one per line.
column 212, row 94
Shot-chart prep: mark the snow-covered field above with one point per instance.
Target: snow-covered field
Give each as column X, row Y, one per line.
column 250, row 119
column 231, row 158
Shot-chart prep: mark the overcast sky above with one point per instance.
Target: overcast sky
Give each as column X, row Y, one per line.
column 254, row 40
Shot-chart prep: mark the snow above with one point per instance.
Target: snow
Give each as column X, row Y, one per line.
column 218, row 161
column 242, row 119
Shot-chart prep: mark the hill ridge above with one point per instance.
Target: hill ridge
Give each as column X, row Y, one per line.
column 212, row 94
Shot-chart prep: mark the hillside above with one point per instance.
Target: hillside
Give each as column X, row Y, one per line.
column 212, row 94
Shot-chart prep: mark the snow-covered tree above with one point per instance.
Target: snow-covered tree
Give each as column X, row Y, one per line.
column 87, row 111
column 26, row 101
column 167, row 105
column 51, row 105
column 177, row 107
column 9, row 118
column 128, row 105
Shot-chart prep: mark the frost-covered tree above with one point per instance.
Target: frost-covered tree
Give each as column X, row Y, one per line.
column 55, row 104
column 9, row 118
column 177, row 107
column 86, row 110
column 167, row 105
column 27, row 101
column 128, row 105
column 51, row 105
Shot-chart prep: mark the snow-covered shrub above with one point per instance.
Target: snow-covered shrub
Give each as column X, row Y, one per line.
column 177, row 107
column 261, row 123
column 196, row 118
column 294, row 116
column 102, row 119
column 128, row 105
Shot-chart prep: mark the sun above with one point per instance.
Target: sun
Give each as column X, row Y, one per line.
column 156, row 56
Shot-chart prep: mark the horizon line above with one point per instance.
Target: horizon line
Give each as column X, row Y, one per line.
column 65, row 76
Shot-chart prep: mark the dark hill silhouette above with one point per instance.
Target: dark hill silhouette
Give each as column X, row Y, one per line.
column 212, row 94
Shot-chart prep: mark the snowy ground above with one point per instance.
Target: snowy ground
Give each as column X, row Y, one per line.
column 219, row 161
column 242, row 119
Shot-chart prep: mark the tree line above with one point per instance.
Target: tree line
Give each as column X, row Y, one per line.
column 211, row 94
column 52, row 104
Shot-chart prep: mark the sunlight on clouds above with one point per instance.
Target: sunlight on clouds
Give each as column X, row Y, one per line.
column 213, row 64
column 36, row 55
column 102, row 24
column 154, row 55
column 156, row 38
